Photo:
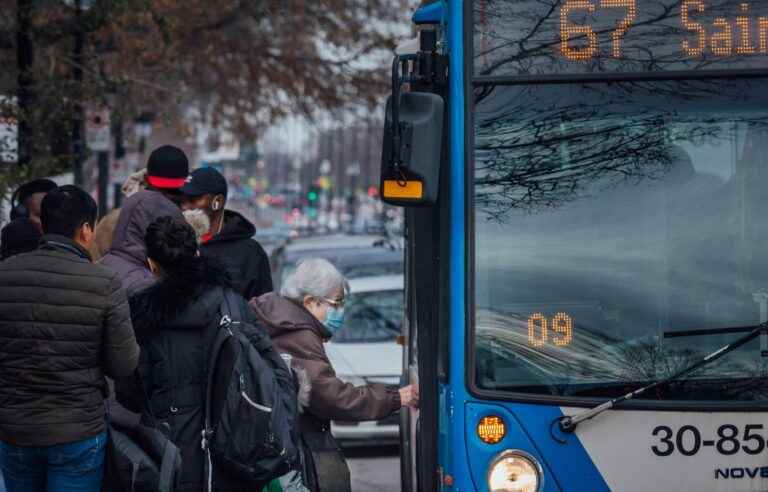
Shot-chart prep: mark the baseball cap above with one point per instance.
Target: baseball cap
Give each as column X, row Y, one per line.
column 167, row 167
column 204, row 181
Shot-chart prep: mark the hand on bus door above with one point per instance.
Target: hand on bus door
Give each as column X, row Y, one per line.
column 409, row 396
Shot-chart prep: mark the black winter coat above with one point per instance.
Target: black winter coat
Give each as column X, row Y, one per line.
column 64, row 325
column 176, row 321
column 244, row 258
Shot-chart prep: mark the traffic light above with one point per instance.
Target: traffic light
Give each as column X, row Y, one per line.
column 313, row 195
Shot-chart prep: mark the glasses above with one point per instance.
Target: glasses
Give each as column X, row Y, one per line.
column 338, row 304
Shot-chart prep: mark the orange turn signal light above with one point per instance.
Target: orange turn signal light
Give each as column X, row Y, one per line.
column 412, row 190
column 491, row 429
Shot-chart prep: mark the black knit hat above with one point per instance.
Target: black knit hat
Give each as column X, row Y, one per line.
column 19, row 236
column 167, row 167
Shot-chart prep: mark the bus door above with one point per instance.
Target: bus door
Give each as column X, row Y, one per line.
column 422, row 74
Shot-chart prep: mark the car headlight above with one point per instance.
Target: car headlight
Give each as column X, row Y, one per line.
column 514, row 471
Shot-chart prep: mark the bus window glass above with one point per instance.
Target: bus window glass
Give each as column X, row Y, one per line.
column 536, row 37
column 607, row 215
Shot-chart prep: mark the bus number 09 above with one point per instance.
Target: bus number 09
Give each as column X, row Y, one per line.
column 539, row 327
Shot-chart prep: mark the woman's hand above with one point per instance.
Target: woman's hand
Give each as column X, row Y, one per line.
column 409, row 396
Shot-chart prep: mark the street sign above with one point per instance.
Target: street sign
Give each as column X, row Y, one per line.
column 97, row 130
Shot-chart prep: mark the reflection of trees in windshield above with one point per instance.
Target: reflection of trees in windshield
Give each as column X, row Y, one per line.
column 645, row 200
column 539, row 147
column 507, row 361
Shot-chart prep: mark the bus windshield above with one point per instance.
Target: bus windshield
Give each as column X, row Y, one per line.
column 609, row 214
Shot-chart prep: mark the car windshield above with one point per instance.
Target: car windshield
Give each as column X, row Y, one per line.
column 609, row 214
column 352, row 263
column 372, row 317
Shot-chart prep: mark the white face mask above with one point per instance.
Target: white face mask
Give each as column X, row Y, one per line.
column 199, row 221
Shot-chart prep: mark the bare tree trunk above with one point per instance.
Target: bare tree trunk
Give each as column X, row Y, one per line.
column 78, row 117
column 25, row 95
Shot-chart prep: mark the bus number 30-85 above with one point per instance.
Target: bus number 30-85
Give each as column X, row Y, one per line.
column 687, row 440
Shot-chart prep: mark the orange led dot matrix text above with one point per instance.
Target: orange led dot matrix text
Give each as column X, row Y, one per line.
column 539, row 327
column 573, row 31
column 562, row 324
column 537, row 322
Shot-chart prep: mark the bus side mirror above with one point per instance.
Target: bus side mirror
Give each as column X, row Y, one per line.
column 410, row 159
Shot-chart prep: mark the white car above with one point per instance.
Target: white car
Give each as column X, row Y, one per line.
column 365, row 350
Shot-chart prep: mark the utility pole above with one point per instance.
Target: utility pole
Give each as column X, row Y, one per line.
column 78, row 120
column 25, row 57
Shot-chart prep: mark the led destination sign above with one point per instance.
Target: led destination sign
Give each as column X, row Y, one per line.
column 580, row 36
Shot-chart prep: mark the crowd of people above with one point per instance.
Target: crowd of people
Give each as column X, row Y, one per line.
column 112, row 322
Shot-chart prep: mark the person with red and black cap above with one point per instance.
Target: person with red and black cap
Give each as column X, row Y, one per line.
column 230, row 236
column 167, row 171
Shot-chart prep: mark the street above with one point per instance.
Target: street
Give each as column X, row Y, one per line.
column 374, row 469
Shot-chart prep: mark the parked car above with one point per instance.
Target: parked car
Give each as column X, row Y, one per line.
column 354, row 256
column 366, row 350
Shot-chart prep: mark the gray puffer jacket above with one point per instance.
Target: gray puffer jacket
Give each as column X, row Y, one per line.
column 128, row 254
column 64, row 325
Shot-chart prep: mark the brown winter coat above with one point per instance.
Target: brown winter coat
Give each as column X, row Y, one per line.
column 295, row 331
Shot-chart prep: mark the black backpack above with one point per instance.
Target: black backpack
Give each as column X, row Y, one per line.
column 251, row 404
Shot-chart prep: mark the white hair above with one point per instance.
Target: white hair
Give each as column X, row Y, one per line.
column 314, row 277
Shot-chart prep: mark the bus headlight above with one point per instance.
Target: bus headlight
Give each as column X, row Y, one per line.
column 514, row 471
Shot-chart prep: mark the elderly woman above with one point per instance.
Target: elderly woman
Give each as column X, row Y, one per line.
column 309, row 311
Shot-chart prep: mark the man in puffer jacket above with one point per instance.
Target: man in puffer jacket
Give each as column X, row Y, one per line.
column 64, row 325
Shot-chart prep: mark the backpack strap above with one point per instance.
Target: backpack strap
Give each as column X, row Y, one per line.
column 223, row 333
column 171, row 461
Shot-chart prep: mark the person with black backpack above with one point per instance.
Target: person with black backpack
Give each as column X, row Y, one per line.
column 214, row 383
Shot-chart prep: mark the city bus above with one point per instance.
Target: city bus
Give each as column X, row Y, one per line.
column 587, row 244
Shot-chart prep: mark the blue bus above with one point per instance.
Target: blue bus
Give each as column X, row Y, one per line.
column 585, row 184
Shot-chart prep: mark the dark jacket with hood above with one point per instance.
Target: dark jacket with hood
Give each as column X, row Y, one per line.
column 64, row 325
column 295, row 331
column 245, row 260
column 128, row 254
column 176, row 321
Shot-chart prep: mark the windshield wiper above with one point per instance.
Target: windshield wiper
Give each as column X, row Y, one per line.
column 568, row 423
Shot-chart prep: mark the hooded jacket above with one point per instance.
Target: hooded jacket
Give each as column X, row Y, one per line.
column 244, row 258
column 64, row 325
column 295, row 331
column 128, row 254
column 175, row 321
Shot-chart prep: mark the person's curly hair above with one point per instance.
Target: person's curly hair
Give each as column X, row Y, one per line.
column 172, row 244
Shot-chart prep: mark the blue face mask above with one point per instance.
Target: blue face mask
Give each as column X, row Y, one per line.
column 334, row 319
